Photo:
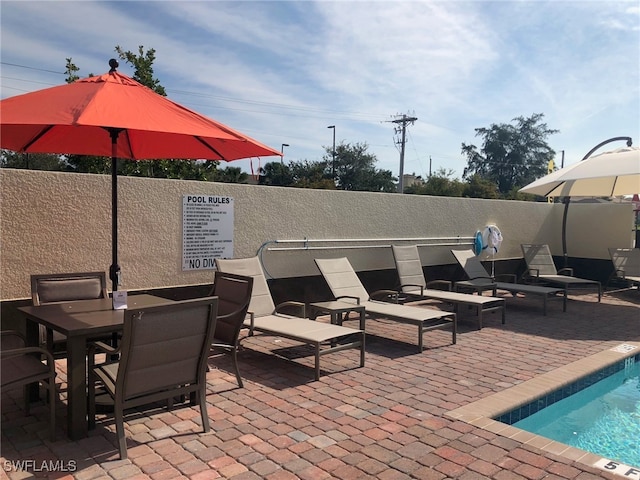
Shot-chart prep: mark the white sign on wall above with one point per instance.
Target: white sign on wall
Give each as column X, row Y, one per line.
column 207, row 230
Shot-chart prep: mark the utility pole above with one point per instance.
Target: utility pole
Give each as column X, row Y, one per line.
column 401, row 122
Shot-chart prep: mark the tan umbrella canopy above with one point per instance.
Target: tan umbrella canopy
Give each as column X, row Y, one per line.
column 607, row 174
column 113, row 115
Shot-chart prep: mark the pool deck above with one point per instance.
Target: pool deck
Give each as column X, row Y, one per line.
column 402, row 416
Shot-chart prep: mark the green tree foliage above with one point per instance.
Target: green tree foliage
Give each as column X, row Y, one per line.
column 439, row 184
column 512, row 155
column 142, row 63
column 355, row 169
column 480, row 187
column 32, row 161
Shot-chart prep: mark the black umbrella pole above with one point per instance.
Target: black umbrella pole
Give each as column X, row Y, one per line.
column 114, row 270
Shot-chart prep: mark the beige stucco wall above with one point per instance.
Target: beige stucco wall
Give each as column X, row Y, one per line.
column 57, row 222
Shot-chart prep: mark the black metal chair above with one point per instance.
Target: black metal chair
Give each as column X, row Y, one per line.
column 163, row 355
column 21, row 366
column 234, row 294
column 65, row 287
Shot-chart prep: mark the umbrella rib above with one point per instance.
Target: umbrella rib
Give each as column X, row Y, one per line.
column 210, row 148
column 37, row 137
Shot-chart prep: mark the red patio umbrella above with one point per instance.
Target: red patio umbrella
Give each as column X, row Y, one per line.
column 113, row 115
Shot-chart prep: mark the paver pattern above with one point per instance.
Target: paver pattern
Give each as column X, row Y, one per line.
column 383, row 421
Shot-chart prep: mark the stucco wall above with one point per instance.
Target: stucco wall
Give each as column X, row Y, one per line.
column 57, row 222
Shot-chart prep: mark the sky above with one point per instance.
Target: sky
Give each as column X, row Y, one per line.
column 283, row 71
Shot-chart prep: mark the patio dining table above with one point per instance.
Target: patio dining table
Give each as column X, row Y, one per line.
column 80, row 321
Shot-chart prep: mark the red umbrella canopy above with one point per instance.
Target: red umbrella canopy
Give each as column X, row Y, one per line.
column 77, row 118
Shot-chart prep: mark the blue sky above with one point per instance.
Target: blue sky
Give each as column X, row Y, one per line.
column 282, row 71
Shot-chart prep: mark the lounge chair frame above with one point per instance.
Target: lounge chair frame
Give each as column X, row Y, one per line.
column 480, row 281
column 541, row 270
column 626, row 266
column 267, row 318
column 346, row 286
column 415, row 287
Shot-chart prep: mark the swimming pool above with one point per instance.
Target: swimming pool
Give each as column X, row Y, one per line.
column 499, row 413
column 602, row 416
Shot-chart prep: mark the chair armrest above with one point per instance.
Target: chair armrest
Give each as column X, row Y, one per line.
column 566, row 271
column 11, row 339
column 16, row 352
column 301, row 307
column 415, row 285
column 439, row 283
column 386, row 294
column 508, row 277
column 95, row 347
column 357, row 299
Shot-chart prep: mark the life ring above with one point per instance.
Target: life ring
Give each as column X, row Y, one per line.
column 491, row 239
column 477, row 243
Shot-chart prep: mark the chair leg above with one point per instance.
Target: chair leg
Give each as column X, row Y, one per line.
column 52, row 406
column 122, row 441
column 202, row 398
column 234, row 360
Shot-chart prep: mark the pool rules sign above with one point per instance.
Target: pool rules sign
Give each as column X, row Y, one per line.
column 207, row 230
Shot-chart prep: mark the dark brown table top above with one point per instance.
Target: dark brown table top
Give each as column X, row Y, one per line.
column 87, row 317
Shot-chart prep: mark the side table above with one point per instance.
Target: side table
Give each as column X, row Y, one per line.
column 336, row 309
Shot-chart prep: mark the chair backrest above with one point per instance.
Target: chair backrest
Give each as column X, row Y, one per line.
column 165, row 346
column 234, row 294
column 64, row 287
column 538, row 257
column 471, row 264
column 409, row 266
column 261, row 302
column 626, row 260
column 341, row 278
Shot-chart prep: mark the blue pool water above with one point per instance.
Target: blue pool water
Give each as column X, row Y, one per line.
column 602, row 418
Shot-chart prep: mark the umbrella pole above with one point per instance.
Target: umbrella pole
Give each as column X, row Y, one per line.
column 566, row 201
column 114, row 270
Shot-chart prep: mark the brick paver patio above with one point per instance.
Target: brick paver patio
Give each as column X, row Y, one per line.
column 386, row 420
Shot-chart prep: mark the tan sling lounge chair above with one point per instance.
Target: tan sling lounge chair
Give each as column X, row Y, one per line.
column 626, row 265
column 414, row 285
column 479, row 281
column 264, row 316
column 345, row 285
column 541, row 269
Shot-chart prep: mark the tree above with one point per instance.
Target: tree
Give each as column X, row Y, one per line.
column 439, row 184
column 511, row 156
column 355, row 169
column 32, row 161
column 142, row 63
column 479, row 187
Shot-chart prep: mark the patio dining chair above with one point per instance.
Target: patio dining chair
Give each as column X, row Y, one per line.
column 163, row 355
column 64, row 287
column 234, row 294
column 21, row 366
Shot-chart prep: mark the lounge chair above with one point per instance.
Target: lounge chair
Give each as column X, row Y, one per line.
column 346, row 286
column 626, row 265
column 542, row 270
column 266, row 318
column 480, row 280
column 414, row 286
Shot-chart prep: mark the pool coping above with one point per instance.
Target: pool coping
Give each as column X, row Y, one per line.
column 481, row 413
